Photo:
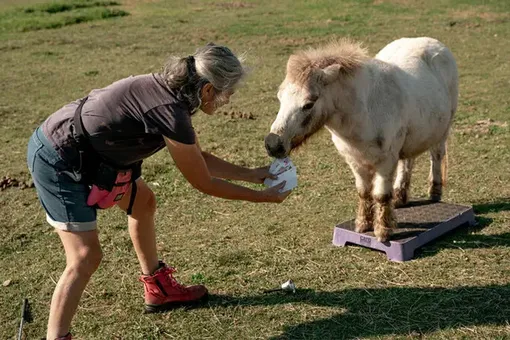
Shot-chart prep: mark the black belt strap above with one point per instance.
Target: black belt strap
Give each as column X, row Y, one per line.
column 83, row 146
column 81, row 135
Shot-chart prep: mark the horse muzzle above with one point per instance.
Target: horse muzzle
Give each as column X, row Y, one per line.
column 275, row 146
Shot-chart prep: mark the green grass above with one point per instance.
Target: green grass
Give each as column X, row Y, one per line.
column 56, row 7
column 57, row 14
column 456, row 288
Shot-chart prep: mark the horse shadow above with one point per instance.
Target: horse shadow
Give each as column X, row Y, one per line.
column 395, row 311
column 500, row 204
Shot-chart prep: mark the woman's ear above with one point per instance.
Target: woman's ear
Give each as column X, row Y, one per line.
column 207, row 97
column 207, row 93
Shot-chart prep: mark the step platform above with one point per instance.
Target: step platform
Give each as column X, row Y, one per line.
column 419, row 223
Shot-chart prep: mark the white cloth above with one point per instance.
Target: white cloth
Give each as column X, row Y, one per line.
column 286, row 171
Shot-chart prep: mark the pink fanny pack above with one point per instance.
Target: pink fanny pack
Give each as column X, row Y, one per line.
column 103, row 198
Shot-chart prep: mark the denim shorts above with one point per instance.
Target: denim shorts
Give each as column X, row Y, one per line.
column 61, row 191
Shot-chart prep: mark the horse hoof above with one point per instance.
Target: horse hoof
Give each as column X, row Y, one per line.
column 435, row 198
column 401, row 199
column 363, row 226
column 383, row 234
column 398, row 203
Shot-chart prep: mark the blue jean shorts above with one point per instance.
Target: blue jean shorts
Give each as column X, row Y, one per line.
column 61, row 191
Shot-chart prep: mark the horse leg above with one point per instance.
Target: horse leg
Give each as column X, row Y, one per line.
column 364, row 177
column 438, row 168
column 385, row 219
column 403, row 182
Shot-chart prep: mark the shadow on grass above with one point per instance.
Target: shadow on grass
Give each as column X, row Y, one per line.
column 464, row 238
column 501, row 204
column 387, row 311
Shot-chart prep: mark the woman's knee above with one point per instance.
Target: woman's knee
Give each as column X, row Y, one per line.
column 85, row 261
column 151, row 202
column 145, row 200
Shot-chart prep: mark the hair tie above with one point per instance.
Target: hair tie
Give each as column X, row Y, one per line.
column 190, row 62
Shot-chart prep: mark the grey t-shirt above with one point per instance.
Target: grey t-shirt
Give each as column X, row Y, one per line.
column 126, row 121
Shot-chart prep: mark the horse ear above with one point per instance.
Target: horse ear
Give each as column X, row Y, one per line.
column 330, row 74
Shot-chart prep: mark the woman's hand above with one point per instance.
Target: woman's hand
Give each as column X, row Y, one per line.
column 274, row 195
column 258, row 175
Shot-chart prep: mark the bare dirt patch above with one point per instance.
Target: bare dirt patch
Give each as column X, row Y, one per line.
column 476, row 16
column 235, row 114
column 9, row 182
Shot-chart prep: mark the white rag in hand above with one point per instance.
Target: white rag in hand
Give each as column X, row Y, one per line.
column 286, row 171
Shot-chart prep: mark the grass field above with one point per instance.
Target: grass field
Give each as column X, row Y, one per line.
column 456, row 288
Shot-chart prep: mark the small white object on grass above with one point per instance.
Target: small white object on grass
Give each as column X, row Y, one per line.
column 285, row 170
column 288, row 286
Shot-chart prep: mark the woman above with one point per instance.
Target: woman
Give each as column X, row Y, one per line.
column 74, row 153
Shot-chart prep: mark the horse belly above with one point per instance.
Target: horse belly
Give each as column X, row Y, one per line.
column 429, row 116
column 422, row 137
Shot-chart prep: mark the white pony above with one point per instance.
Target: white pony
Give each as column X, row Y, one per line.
column 381, row 112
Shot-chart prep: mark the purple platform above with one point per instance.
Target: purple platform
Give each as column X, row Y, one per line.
column 418, row 223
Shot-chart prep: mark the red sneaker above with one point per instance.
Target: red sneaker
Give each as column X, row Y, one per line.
column 163, row 292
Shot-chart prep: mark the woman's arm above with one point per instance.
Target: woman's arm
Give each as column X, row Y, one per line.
column 223, row 169
column 190, row 161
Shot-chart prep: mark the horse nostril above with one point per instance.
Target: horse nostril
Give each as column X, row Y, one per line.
column 274, row 145
column 271, row 140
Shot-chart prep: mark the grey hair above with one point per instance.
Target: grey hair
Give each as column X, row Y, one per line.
column 209, row 64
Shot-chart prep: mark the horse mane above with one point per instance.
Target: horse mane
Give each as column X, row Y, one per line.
column 346, row 53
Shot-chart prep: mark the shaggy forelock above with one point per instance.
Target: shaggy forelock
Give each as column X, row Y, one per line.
column 349, row 55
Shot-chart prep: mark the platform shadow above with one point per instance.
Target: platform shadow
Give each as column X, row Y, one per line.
column 466, row 237
column 497, row 205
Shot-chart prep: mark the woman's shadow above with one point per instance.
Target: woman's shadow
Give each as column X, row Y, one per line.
column 400, row 311
column 386, row 311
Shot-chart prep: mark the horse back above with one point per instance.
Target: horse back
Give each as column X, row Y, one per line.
column 424, row 57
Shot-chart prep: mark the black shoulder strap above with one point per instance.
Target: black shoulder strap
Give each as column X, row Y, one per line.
column 83, row 139
column 81, row 134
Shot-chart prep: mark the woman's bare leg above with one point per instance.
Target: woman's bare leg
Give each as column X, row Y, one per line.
column 83, row 256
column 141, row 226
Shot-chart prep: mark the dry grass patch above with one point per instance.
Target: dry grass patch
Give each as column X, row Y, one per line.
column 478, row 12
column 484, row 126
column 400, row 2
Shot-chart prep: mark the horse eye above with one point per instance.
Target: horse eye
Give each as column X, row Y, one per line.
column 308, row 106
